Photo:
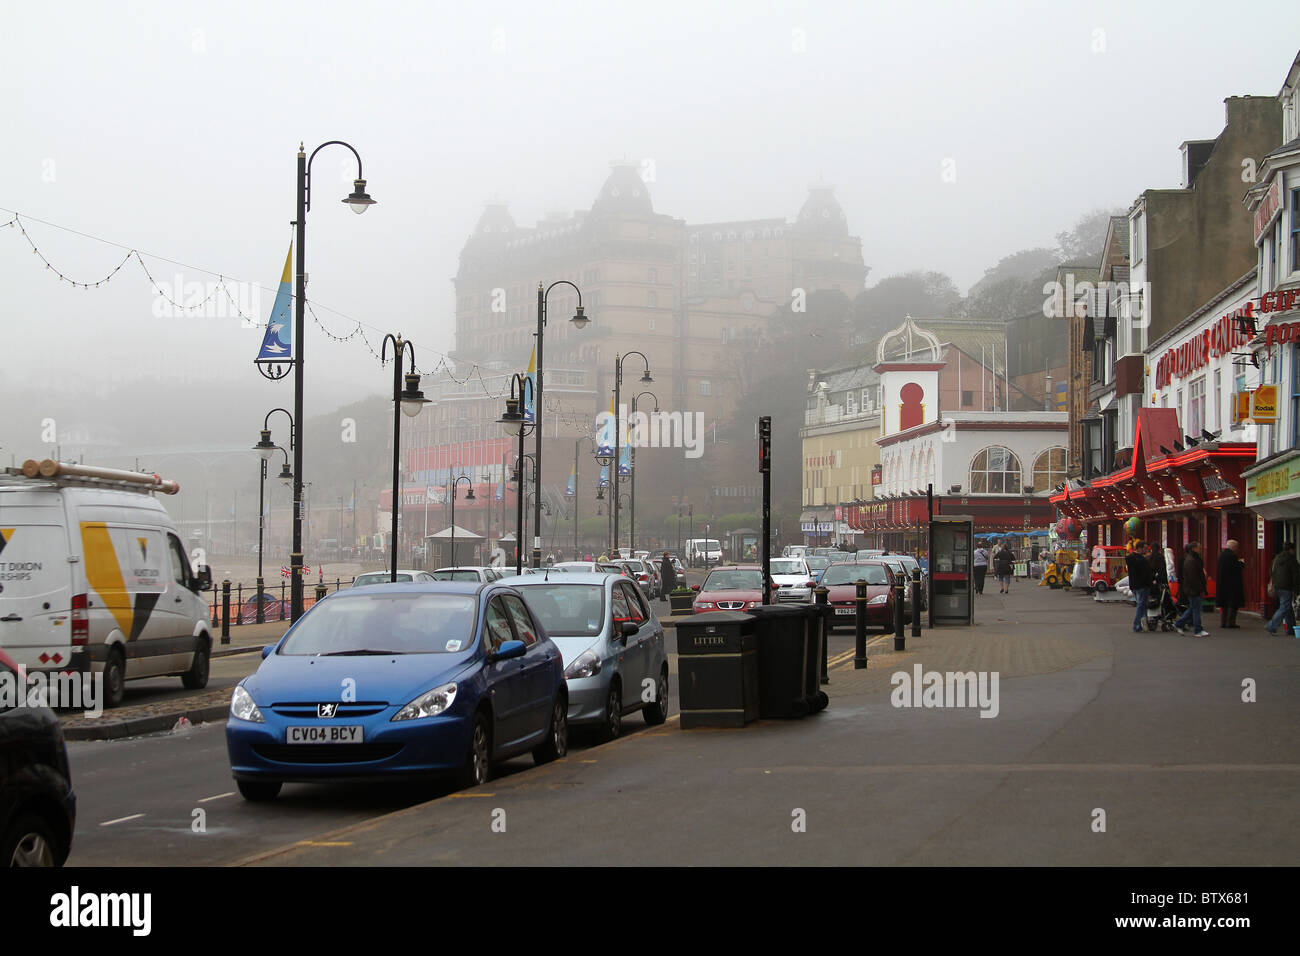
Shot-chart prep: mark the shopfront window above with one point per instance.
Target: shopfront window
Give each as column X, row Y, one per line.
column 1295, row 396
column 1049, row 469
column 995, row 471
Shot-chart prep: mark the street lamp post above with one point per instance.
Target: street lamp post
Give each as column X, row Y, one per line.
column 631, row 535
column 408, row 400
column 266, row 448
column 469, row 496
column 515, row 423
column 579, row 320
column 603, row 458
column 577, row 484
column 618, row 384
column 359, row 200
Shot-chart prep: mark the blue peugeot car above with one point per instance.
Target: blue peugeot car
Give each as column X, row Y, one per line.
column 400, row 680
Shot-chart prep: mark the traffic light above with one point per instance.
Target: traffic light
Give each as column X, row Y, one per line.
column 765, row 444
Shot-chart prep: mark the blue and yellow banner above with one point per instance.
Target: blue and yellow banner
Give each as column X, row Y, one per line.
column 277, row 344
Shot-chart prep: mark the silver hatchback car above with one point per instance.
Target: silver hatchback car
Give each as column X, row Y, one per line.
column 612, row 644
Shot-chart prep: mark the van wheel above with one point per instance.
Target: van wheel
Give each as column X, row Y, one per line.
column 196, row 678
column 114, row 678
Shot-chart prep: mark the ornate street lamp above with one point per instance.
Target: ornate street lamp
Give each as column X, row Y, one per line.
column 408, row 401
column 516, row 425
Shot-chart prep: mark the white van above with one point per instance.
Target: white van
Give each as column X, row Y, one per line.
column 93, row 577
column 701, row 552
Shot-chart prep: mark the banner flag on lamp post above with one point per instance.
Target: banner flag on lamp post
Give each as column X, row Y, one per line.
column 569, row 490
column 277, row 343
column 530, row 412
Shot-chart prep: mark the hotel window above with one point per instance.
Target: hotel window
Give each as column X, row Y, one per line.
column 653, row 276
column 1138, row 239
column 1196, row 407
column 995, row 471
column 652, row 299
column 706, row 389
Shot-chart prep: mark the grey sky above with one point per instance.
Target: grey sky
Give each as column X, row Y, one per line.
column 172, row 127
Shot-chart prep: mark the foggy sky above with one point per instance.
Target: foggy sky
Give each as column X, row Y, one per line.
column 173, row 127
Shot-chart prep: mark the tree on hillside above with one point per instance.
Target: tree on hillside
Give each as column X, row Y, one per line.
column 1083, row 242
column 918, row 294
column 1025, row 264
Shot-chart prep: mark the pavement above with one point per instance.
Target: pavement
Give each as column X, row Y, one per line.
column 1106, row 748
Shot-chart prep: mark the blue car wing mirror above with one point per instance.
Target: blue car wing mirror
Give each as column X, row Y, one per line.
column 268, row 651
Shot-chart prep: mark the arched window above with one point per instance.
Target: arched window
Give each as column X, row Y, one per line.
column 995, row 471
column 1049, row 469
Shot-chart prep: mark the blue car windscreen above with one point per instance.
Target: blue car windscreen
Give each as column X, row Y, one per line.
column 386, row 623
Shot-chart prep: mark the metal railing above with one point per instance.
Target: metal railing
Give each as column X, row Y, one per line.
column 274, row 609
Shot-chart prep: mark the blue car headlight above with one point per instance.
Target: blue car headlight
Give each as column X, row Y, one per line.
column 428, row 705
column 242, row 706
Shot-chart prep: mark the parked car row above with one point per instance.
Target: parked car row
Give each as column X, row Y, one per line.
column 488, row 670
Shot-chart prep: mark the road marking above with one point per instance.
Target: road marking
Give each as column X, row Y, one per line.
column 109, row 823
column 228, row 793
column 468, row 796
column 586, row 761
column 322, row 843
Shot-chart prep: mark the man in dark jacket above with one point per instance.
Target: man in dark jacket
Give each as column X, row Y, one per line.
column 669, row 574
column 1230, row 590
column 1285, row 575
column 1004, row 565
column 1192, row 587
column 1139, row 581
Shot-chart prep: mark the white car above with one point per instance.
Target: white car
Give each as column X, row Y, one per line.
column 385, row 577
column 468, row 573
column 794, row 582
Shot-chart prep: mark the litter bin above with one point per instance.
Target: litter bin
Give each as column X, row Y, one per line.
column 717, row 670
column 789, row 660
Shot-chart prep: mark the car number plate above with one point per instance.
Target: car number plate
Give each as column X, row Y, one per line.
column 846, row 610
column 325, row 735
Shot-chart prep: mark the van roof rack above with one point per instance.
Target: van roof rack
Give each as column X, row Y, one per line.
column 90, row 476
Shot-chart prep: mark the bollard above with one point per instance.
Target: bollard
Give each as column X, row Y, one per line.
column 821, row 596
column 916, row 607
column 282, row 600
column 225, row 611
column 860, row 627
column 261, row 611
column 900, row 600
column 239, row 603
column 215, row 618
column 321, row 591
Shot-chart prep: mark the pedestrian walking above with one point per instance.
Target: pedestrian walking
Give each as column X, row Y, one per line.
column 981, row 567
column 1192, row 588
column 1004, row 565
column 1140, row 578
column 1284, row 580
column 1230, row 589
column 669, row 574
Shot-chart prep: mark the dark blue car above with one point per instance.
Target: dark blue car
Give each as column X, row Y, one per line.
column 400, row 680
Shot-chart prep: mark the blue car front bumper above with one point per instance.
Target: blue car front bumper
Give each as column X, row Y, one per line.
column 428, row 746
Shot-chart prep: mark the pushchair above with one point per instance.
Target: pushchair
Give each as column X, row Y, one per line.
column 1162, row 611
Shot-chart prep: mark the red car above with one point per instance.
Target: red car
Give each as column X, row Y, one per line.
column 730, row 588
column 841, row 581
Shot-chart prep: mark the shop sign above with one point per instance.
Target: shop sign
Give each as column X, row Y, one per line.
column 1283, row 333
column 1218, row 340
column 1270, row 207
column 1263, row 405
column 1277, row 482
column 1259, row 532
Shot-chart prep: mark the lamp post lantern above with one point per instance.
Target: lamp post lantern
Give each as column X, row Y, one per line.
column 409, row 401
